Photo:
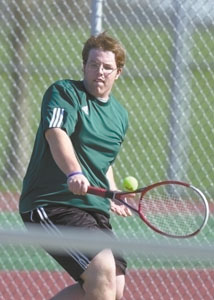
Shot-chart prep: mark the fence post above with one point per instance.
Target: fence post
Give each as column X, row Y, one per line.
column 96, row 17
column 181, row 97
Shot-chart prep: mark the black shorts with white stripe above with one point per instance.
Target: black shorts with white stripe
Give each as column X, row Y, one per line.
column 52, row 217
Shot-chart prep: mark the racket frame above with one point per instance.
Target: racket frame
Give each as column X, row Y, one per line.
column 116, row 195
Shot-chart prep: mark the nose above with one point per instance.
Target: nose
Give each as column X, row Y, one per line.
column 100, row 69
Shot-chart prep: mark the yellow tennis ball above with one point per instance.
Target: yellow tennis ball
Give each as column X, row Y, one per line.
column 130, row 183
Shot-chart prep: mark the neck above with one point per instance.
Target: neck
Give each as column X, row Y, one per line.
column 102, row 99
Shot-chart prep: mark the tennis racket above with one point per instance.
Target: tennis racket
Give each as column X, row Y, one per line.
column 172, row 208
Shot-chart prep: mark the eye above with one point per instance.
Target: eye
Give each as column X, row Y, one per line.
column 108, row 68
column 94, row 65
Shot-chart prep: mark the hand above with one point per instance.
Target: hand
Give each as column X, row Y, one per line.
column 78, row 184
column 120, row 209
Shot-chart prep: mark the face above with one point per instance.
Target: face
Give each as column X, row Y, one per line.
column 100, row 73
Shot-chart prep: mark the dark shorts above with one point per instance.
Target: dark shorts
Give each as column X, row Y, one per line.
column 74, row 262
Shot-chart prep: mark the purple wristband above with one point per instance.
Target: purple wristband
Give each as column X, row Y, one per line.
column 73, row 174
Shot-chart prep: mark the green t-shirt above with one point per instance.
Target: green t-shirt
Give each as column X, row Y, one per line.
column 96, row 130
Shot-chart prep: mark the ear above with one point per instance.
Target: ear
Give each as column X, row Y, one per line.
column 119, row 71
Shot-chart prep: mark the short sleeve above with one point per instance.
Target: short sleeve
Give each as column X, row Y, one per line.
column 59, row 108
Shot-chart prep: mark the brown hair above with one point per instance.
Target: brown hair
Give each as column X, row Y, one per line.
column 106, row 43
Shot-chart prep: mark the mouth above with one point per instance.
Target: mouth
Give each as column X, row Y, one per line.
column 99, row 81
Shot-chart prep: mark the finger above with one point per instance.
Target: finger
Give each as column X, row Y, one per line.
column 116, row 209
column 128, row 211
column 125, row 211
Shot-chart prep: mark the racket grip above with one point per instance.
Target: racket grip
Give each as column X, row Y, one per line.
column 99, row 192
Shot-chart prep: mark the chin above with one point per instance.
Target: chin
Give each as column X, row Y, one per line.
column 98, row 93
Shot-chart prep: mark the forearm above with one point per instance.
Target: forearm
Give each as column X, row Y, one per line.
column 62, row 150
column 116, row 207
column 110, row 177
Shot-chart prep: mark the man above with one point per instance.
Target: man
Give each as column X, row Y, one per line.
column 80, row 133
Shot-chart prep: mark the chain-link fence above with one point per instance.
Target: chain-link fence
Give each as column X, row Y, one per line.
column 167, row 87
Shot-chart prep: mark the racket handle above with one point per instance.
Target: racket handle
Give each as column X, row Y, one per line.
column 99, row 192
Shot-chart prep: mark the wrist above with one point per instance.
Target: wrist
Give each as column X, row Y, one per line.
column 74, row 173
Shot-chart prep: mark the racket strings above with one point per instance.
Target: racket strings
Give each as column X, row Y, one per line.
column 174, row 211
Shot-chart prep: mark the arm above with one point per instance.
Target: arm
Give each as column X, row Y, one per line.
column 116, row 207
column 64, row 155
column 110, row 177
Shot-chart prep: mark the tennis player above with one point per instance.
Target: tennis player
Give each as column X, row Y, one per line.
column 81, row 130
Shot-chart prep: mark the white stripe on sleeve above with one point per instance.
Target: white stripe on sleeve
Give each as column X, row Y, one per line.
column 57, row 118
